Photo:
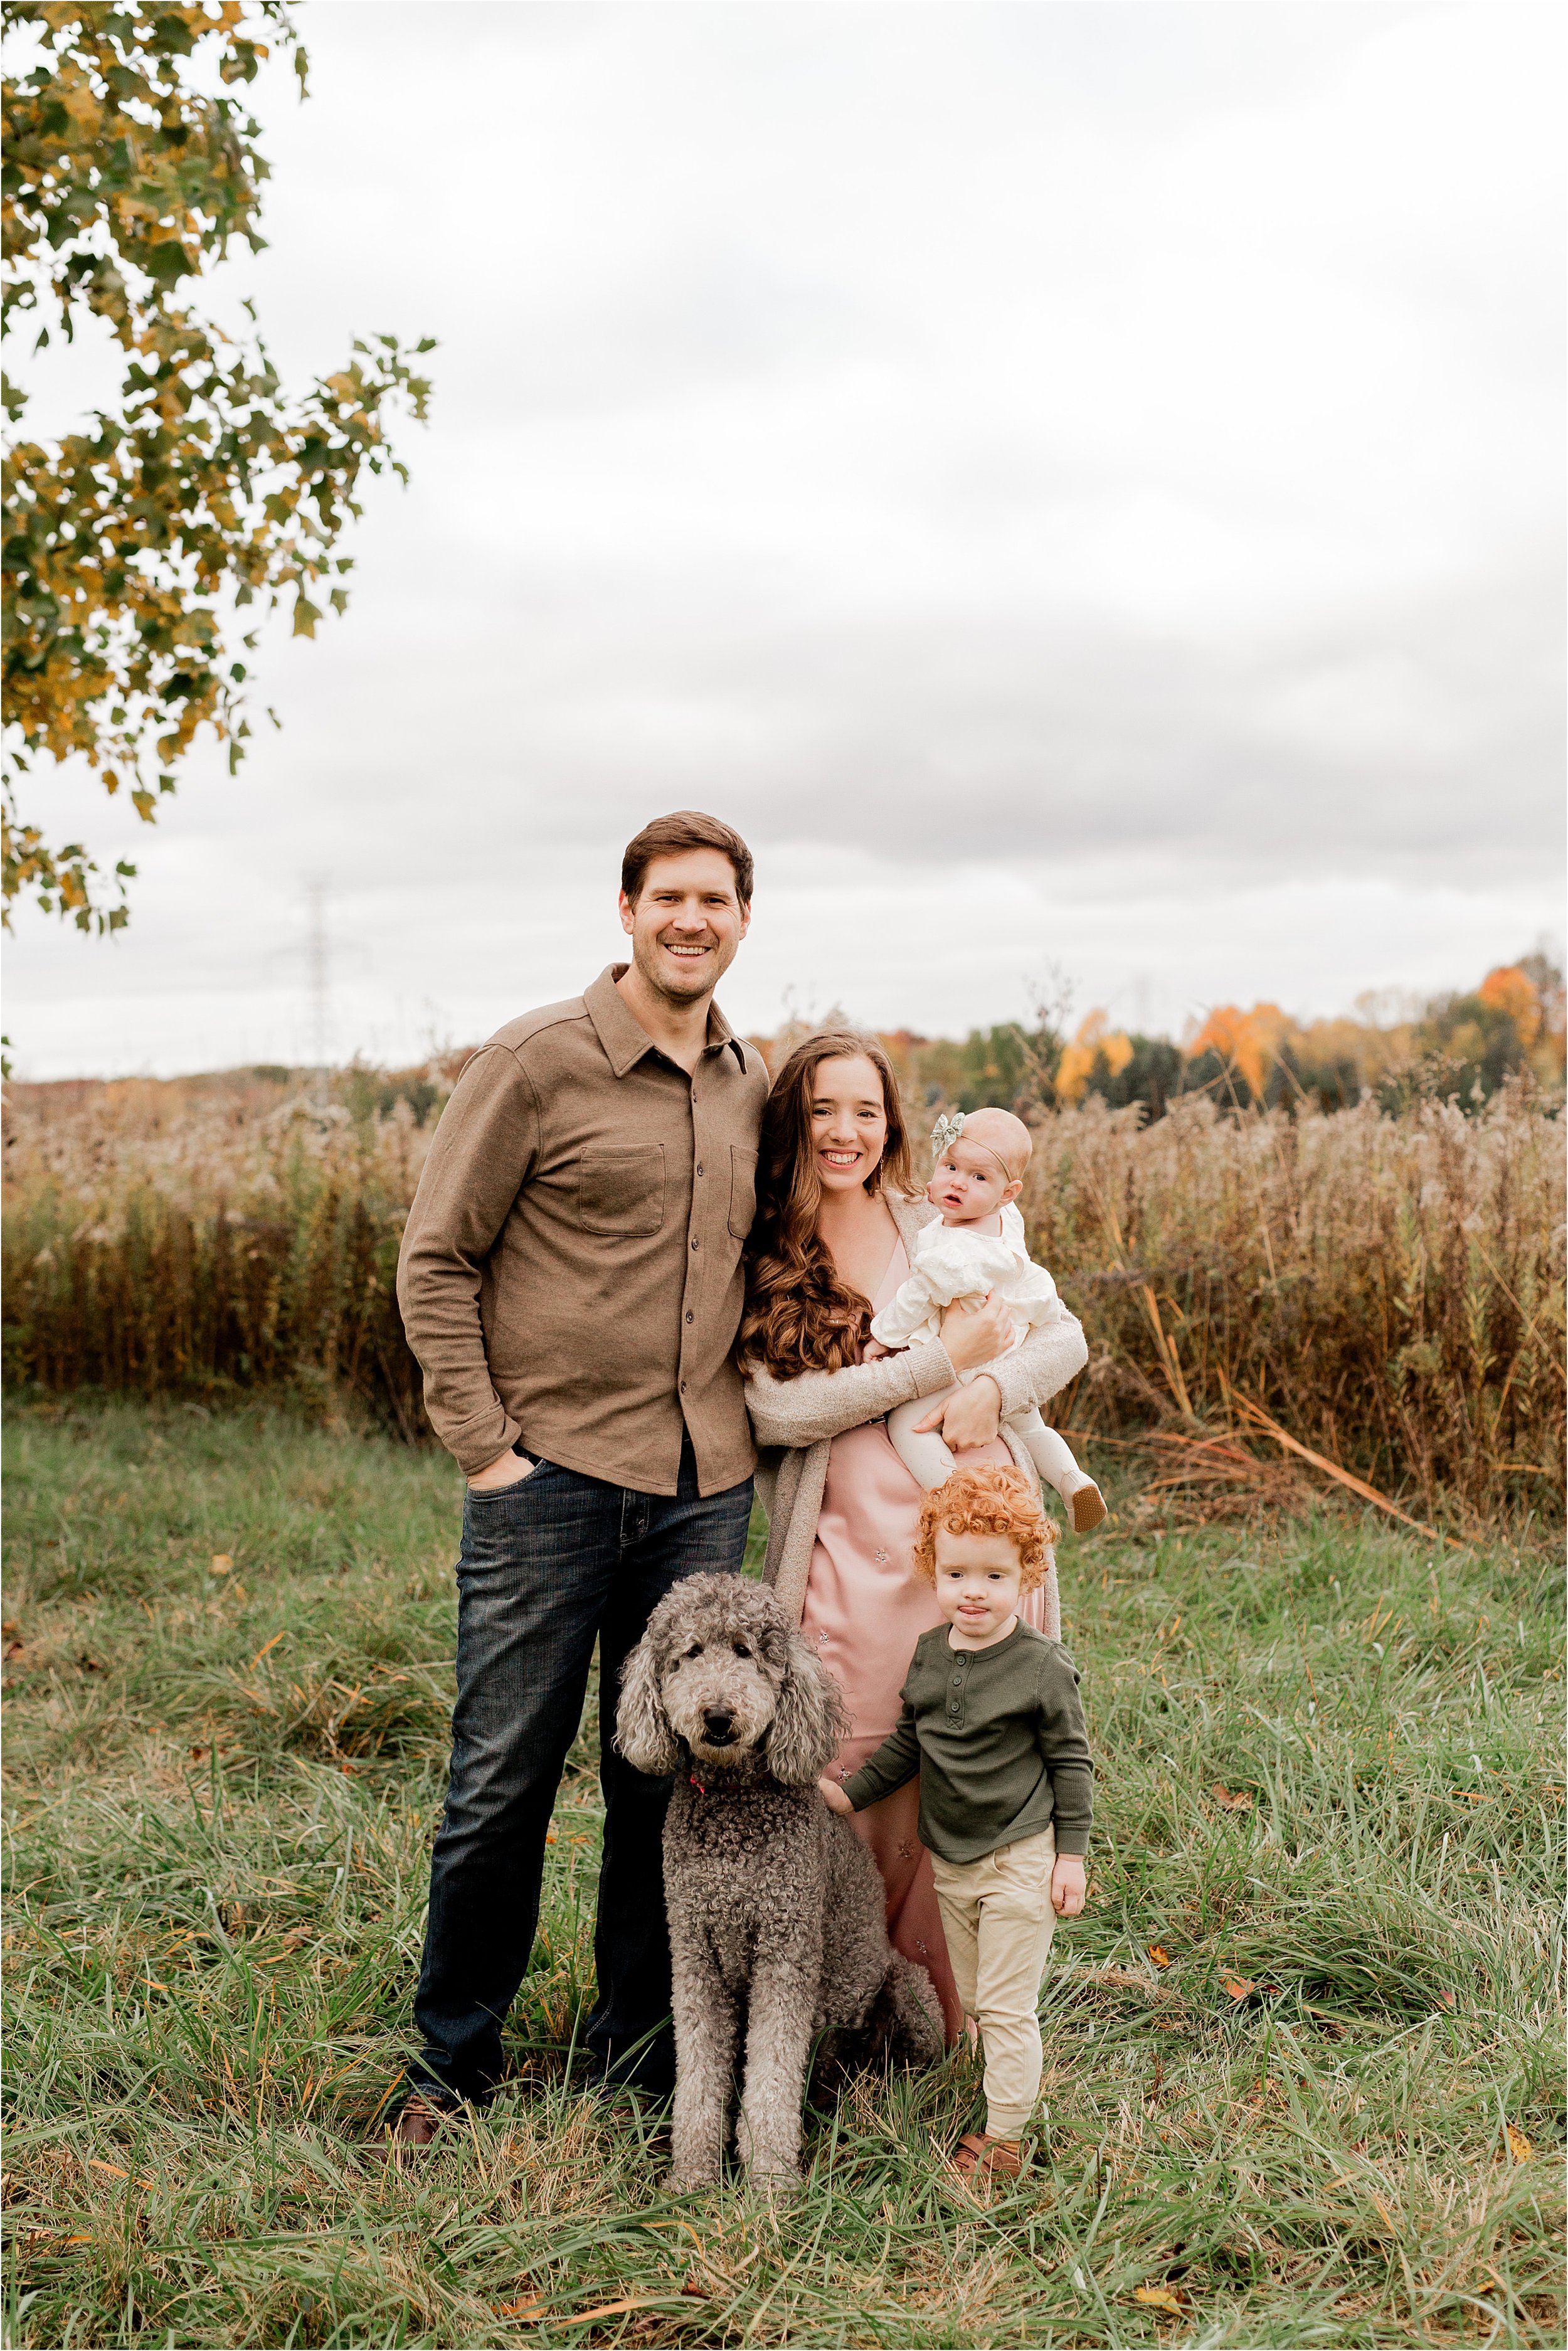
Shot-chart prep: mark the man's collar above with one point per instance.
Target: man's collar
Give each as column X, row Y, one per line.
column 622, row 1035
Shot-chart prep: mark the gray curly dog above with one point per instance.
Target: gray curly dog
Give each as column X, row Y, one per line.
column 775, row 1907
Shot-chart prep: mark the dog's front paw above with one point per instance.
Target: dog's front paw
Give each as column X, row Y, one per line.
column 690, row 2180
column 779, row 2185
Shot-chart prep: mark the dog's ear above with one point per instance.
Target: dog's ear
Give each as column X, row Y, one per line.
column 808, row 1719
column 642, row 1730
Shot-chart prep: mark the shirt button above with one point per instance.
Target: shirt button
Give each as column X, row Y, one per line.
column 699, row 1167
column 695, row 1243
column 957, row 1679
column 690, row 1316
column 683, row 1387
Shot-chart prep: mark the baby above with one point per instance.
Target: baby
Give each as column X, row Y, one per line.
column 992, row 1723
column 979, row 1246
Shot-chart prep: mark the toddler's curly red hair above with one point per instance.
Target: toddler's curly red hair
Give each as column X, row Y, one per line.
column 986, row 1500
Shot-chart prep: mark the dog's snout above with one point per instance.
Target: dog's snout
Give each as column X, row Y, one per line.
column 718, row 1721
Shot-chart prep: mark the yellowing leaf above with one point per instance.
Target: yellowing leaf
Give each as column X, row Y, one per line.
column 135, row 2177
column 1518, row 2146
column 1238, row 1804
column 221, row 1563
column 519, row 2310
column 1236, row 1987
column 613, row 2309
column 1161, row 1958
column 1158, row 2298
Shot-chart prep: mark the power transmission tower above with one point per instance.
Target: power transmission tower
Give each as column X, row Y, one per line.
column 317, row 966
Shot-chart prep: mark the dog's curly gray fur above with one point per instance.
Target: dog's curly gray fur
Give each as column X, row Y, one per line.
column 776, row 1912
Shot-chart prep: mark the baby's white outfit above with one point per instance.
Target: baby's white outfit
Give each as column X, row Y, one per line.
column 953, row 1262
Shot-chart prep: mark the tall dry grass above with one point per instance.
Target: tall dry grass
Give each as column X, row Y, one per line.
column 203, row 1240
column 1391, row 1290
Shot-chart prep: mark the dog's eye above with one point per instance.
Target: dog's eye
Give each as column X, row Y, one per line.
column 741, row 1650
column 695, row 1650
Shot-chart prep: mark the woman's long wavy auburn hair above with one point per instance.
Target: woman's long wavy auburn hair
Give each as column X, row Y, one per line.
column 800, row 1315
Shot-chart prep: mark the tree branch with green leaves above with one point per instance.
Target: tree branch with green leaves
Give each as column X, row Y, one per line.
column 132, row 547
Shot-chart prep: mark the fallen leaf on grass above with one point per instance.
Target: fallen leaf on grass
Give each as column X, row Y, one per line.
column 697, row 2293
column 222, row 1563
column 1239, row 1803
column 1382, row 2212
column 13, row 1649
column 1236, row 1987
column 1158, row 2299
column 519, row 2310
column 1446, row 2000
column 1518, row 2146
column 612, row 2309
column 134, row 2177
column 263, row 1650
column 1162, row 1959
column 78, row 2241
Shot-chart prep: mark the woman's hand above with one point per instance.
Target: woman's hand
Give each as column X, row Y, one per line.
column 969, row 1416
column 834, row 1798
column 972, row 1338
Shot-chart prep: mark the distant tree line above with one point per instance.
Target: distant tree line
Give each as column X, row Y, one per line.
column 1458, row 1047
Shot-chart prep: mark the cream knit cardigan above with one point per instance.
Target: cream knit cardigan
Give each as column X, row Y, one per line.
column 796, row 1421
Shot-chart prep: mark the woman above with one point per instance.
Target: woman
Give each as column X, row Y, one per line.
column 838, row 1210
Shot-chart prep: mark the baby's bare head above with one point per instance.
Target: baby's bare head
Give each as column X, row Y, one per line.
column 1000, row 1132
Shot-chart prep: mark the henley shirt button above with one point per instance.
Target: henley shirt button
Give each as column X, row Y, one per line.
column 699, row 1167
column 690, row 1316
column 693, row 1240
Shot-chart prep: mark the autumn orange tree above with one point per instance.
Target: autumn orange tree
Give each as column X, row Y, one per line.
column 131, row 547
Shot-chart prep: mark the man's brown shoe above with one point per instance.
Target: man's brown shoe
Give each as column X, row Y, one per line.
column 418, row 2121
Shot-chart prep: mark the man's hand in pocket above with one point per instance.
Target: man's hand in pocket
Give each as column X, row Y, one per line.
column 509, row 1468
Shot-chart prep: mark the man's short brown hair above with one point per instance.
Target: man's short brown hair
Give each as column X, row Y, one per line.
column 686, row 829
column 988, row 1501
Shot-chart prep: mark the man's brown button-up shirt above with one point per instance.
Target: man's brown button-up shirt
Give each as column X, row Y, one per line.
column 570, row 1270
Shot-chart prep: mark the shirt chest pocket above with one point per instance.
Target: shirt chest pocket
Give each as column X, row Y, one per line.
column 742, row 1190
column 620, row 1190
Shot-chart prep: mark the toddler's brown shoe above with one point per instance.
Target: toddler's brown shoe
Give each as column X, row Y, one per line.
column 980, row 2156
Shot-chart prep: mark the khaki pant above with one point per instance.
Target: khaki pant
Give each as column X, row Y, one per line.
column 997, row 1918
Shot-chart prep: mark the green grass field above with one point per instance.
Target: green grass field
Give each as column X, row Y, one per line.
column 1304, row 2050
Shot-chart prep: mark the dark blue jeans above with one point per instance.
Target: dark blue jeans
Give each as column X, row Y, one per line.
column 546, row 1565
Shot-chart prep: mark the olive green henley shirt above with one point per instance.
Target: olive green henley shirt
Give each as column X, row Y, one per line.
column 997, row 1736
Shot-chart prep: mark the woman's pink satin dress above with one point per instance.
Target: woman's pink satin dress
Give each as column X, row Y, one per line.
column 865, row 1609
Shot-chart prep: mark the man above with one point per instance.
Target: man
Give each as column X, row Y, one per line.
column 571, row 1282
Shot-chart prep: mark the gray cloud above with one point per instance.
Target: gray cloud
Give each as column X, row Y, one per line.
column 1105, row 460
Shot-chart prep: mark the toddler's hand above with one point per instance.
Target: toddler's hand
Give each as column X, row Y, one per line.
column 1069, row 1880
column 835, row 1798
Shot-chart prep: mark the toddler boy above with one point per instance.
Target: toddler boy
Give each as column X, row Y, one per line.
column 992, row 1723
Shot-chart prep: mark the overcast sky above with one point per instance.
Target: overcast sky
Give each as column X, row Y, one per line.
column 1078, row 485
